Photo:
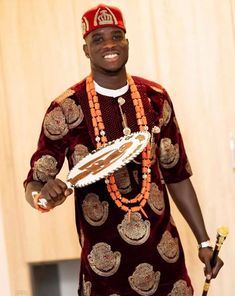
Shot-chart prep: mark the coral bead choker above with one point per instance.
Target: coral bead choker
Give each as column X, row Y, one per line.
column 137, row 203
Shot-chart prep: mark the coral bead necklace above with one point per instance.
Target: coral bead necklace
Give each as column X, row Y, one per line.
column 137, row 203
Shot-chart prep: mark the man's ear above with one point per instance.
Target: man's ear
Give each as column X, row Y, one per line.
column 85, row 49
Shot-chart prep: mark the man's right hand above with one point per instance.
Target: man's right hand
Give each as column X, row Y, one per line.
column 54, row 192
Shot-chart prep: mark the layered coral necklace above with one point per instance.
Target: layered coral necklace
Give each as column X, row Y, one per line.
column 137, row 203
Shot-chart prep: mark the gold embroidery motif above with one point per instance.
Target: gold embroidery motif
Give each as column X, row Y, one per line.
column 72, row 112
column 104, row 17
column 69, row 92
column 45, row 168
column 136, row 231
column 81, row 237
column 172, row 221
column 181, row 288
column 156, row 199
column 168, row 247
column 103, row 261
column 176, row 124
column 188, row 168
column 136, row 176
column 123, row 180
column 166, row 112
column 169, row 153
column 144, row 280
column 86, row 287
column 95, row 211
column 54, row 124
column 157, row 89
column 80, row 151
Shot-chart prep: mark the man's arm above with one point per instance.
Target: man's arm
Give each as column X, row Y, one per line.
column 186, row 201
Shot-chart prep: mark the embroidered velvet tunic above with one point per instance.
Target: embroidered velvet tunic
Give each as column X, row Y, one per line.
column 144, row 256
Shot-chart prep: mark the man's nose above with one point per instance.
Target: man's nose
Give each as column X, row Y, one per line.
column 110, row 43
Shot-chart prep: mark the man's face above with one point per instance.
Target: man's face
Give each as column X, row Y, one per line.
column 107, row 49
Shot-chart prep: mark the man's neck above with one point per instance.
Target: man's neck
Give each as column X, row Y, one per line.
column 110, row 81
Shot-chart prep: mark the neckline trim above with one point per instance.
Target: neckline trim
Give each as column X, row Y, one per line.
column 111, row 92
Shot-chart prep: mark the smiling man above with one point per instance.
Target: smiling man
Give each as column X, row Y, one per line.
column 130, row 243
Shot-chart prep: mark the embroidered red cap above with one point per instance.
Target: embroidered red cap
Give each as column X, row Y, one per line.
column 102, row 16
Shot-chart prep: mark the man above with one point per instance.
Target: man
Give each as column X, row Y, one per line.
column 130, row 244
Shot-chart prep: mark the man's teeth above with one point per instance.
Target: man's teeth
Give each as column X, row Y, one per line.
column 110, row 56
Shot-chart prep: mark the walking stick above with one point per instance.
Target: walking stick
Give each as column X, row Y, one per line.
column 222, row 233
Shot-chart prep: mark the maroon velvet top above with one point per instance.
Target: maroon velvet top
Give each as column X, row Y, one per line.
column 145, row 256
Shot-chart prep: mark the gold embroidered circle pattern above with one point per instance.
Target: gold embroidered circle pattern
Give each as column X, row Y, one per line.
column 136, row 231
column 169, row 153
column 166, row 112
column 123, row 180
column 181, row 288
column 86, row 287
column 54, row 124
column 72, row 112
column 95, row 211
column 156, row 199
column 168, row 247
column 80, row 151
column 103, row 261
column 144, row 280
column 45, row 168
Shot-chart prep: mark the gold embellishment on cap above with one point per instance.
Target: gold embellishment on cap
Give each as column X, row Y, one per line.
column 169, row 153
column 95, row 211
column 104, row 17
column 86, row 287
column 168, row 247
column 72, row 112
column 166, row 112
column 54, row 124
column 85, row 25
column 45, row 168
column 103, row 261
column 156, row 199
column 123, row 180
column 69, row 92
column 181, row 288
column 144, row 280
column 136, row 231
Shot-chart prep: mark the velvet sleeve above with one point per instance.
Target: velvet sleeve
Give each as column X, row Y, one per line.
column 172, row 157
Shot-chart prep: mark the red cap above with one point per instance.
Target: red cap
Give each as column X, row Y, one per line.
column 102, row 16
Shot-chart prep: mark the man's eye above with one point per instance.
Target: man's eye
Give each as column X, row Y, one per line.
column 117, row 37
column 97, row 39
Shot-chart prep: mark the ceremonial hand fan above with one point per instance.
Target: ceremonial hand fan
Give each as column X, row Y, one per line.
column 106, row 160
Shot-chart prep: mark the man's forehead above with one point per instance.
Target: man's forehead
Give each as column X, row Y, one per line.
column 106, row 30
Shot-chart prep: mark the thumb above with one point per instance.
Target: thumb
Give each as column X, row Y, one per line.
column 208, row 270
column 68, row 191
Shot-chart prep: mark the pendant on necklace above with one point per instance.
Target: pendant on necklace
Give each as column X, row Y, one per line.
column 126, row 130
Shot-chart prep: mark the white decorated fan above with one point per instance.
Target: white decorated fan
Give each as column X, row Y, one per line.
column 108, row 159
column 104, row 161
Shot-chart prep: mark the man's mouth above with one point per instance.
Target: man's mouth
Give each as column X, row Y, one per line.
column 111, row 56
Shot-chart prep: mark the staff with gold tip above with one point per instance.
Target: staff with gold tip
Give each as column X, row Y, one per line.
column 222, row 233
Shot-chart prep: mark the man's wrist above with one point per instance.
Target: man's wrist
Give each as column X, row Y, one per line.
column 205, row 244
